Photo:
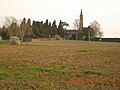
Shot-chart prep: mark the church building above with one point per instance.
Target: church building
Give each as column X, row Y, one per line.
column 74, row 34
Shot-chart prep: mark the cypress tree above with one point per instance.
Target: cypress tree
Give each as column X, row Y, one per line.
column 54, row 28
column 41, row 29
column 22, row 29
column 50, row 29
column 13, row 30
column 35, row 29
column 60, row 29
column 46, row 28
column 0, row 31
column 4, row 33
column 28, row 31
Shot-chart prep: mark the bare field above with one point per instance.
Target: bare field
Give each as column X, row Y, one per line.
column 60, row 65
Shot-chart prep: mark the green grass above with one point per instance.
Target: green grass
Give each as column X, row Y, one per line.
column 3, row 66
column 87, row 50
column 20, row 76
column 22, row 72
column 3, row 75
column 50, row 69
column 92, row 72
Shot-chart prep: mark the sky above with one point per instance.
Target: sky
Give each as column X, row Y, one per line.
column 106, row 12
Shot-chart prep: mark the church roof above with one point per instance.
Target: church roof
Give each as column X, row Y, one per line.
column 71, row 31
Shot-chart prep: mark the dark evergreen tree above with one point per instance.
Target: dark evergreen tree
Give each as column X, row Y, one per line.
column 4, row 33
column 54, row 28
column 46, row 29
column 13, row 30
column 50, row 29
column 28, row 31
column 35, row 29
column 0, row 31
column 0, row 34
column 60, row 29
column 22, row 29
column 41, row 28
column 42, row 32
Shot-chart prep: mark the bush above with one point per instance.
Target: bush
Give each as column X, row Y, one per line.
column 0, row 38
column 4, row 41
column 15, row 40
column 58, row 37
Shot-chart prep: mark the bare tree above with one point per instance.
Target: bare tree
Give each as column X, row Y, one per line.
column 76, row 24
column 9, row 21
column 96, row 29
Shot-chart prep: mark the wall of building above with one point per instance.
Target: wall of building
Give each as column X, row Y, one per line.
column 106, row 39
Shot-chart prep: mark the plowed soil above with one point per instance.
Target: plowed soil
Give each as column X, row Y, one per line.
column 58, row 65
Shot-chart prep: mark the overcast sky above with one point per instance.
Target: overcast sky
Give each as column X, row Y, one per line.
column 106, row 12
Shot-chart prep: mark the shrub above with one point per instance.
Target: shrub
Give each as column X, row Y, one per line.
column 0, row 38
column 58, row 37
column 4, row 41
column 15, row 40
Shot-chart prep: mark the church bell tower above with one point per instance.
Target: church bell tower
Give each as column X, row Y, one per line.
column 81, row 21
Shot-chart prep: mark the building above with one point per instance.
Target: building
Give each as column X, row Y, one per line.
column 74, row 34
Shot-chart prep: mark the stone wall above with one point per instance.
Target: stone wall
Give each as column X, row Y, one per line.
column 43, row 39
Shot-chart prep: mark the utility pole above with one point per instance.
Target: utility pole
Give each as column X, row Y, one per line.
column 89, row 28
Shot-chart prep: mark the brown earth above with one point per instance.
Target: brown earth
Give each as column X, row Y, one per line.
column 58, row 65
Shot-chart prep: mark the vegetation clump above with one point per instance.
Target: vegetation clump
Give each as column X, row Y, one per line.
column 92, row 72
column 57, row 37
column 15, row 40
column 87, row 50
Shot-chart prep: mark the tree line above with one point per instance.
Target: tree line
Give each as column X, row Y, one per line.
column 35, row 29
column 39, row 29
